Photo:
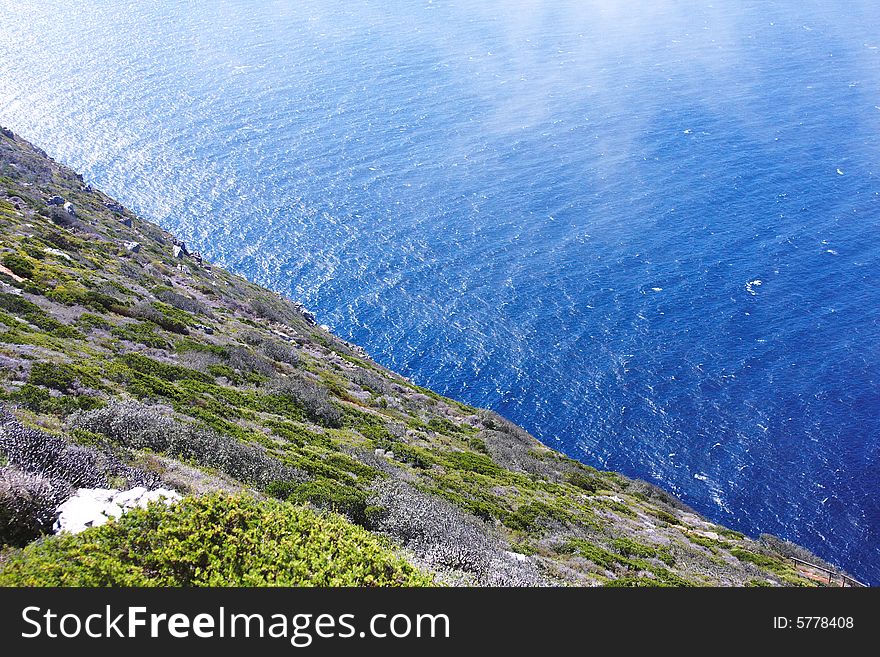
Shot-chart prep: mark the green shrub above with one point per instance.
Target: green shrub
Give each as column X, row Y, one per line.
column 218, row 370
column 188, row 344
column 88, row 438
column 630, row 548
column 90, row 320
column 327, row 494
column 52, row 326
column 584, row 481
column 709, row 543
column 164, row 371
column 442, row 425
column 299, row 434
column 375, row 432
column 142, row 332
column 478, row 445
column 19, row 264
column 529, row 517
column 347, row 464
column 598, row 555
column 635, row 582
column 37, row 316
column 665, row 516
column 72, row 294
column 18, row 305
column 214, row 541
column 34, row 398
column 415, row 456
column 730, row 533
column 760, row 560
column 168, row 317
column 523, row 548
column 470, row 462
column 39, row 400
column 59, row 376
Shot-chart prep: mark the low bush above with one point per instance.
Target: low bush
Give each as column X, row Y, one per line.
column 214, row 541
column 280, row 352
column 92, row 321
column 299, row 434
column 595, row 553
column 180, row 301
column 38, row 453
column 59, row 376
column 478, row 445
column 583, row 481
column 142, row 332
column 533, row 516
column 27, row 505
column 445, row 537
column 416, row 456
column 631, row 548
column 328, row 494
column 188, row 344
column 217, row 370
column 75, row 293
column 149, row 313
column 311, row 397
column 630, row 581
column 470, row 462
column 136, row 426
column 247, row 361
column 760, row 560
column 788, row 549
column 165, row 371
column 665, row 516
column 274, row 309
column 36, row 316
column 40, row 400
column 369, row 381
column 18, row 305
column 19, row 264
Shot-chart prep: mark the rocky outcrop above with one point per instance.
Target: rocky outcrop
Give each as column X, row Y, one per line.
column 93, row 507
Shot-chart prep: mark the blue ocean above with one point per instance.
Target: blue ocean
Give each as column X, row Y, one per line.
column 647, row 232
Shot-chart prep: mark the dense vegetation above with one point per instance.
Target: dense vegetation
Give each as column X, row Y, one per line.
column 214, row 540
column 125, row 360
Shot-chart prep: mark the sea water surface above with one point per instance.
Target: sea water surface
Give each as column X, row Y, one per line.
column 647, row 232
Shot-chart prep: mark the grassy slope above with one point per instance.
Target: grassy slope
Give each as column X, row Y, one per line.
column 98, row 322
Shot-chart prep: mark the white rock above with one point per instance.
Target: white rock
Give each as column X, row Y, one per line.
column 92, row 507
column 128, row 499
column 59, row 253
column 160, row 494
column 80, row 512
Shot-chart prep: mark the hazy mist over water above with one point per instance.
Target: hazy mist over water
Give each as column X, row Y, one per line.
column 647, row 232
